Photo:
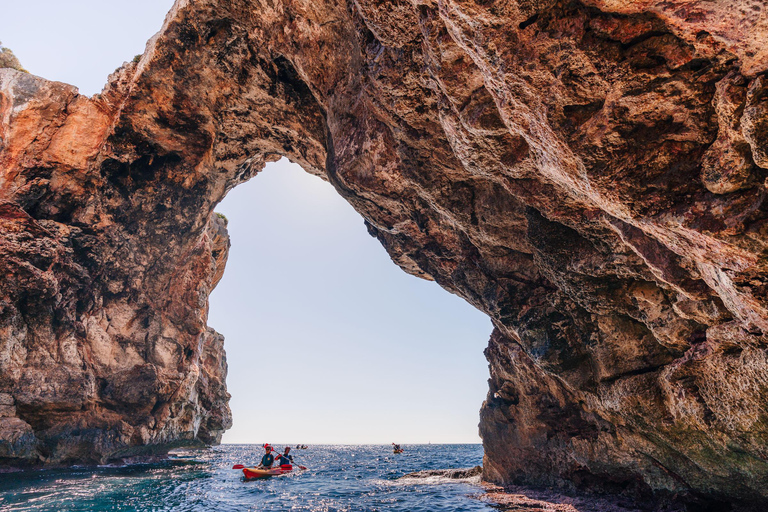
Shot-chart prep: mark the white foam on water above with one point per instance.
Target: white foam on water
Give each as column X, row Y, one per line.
column 432, row 480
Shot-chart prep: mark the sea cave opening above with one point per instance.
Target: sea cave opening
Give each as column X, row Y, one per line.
column 345, row 346
column 327, row 340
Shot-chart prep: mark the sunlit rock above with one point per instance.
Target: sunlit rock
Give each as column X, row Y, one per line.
column 590, row 175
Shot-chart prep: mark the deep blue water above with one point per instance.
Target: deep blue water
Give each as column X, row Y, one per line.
column 338, row 478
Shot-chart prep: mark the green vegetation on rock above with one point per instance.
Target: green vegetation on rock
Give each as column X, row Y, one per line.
column 9, row 60
column 222, row 217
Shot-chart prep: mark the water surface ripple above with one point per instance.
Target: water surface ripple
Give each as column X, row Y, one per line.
column 339, row 478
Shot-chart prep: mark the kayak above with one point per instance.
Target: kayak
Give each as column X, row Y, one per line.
column 256, row 473
column 398, row 451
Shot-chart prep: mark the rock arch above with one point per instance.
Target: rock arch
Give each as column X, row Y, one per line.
column 590, row 174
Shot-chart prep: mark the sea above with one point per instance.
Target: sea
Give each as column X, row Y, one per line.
column 338, row 478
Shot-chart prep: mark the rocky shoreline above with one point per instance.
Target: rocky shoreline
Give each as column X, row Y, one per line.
column 524, row 500
column 447, row 474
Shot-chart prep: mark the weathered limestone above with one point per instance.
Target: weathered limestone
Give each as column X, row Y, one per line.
column 589, row 174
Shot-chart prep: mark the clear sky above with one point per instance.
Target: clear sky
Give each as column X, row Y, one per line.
column 327, row 340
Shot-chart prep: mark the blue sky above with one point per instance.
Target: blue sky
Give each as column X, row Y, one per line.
column 327, row 340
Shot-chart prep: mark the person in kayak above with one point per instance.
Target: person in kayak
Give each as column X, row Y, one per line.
column 268, row 459
column 284, row 458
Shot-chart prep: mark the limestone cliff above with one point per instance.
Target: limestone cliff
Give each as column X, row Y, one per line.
column 590, row 174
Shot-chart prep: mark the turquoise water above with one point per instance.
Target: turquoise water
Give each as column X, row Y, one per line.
column 338, row 478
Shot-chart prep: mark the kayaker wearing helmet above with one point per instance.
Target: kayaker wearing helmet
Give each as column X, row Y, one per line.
column 285, row 459
column 268, row 459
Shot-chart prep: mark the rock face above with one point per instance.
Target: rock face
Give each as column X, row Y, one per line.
column 104, row 351
column 589, row 174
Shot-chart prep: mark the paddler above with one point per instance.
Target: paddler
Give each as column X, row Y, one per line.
column 268, row 459
column 284, row 458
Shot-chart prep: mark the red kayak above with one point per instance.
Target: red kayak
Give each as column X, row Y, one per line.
column 256, row 473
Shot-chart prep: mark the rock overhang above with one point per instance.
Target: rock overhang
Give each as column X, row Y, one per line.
column 588, row 174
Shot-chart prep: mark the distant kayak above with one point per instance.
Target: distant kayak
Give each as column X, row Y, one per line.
column 399, row 451
column 257, row 473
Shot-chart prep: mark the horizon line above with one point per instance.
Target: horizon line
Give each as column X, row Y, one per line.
column 348, row 444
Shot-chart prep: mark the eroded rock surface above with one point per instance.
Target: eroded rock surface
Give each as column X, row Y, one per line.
column 589, row 174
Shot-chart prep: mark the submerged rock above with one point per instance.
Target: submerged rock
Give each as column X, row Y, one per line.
column 450, row 474
column 589, row 174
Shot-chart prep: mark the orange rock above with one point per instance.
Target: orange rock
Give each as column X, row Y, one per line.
column 591, row 175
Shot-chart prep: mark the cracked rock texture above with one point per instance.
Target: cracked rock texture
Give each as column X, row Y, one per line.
column 589, row 174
